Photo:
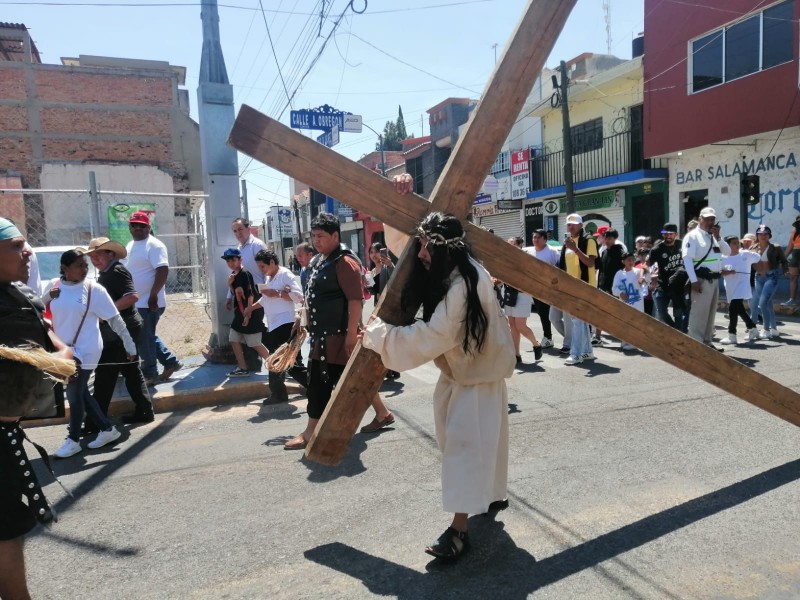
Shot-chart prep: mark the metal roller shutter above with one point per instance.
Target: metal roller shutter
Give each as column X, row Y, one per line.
column 505, row 224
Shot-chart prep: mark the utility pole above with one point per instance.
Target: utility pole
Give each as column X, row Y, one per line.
column 562, row 99
column 245, row 208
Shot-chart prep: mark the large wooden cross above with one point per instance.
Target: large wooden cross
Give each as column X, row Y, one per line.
column 278, row 146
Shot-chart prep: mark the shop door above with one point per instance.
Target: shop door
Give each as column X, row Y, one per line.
column 648, row 215
column 693, row 203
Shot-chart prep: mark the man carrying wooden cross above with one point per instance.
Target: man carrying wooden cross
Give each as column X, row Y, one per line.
column 464, row 331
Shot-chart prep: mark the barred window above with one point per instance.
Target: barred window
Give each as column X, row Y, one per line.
column 587, row 136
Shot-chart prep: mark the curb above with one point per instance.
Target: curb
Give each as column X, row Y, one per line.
column 169, row 401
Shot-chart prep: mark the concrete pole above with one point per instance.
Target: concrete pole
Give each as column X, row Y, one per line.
column 220, row 168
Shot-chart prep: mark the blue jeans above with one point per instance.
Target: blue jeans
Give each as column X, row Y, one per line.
column 81, row 402
column 766, row 286
column 679, row 317
column 581, row 338
column 151, row 349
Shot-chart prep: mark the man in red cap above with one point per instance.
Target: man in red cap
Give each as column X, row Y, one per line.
column 149, row 266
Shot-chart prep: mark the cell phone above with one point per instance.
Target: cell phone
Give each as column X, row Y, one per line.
column 385, row 252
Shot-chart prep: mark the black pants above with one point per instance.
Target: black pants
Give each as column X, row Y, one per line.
column 543, row 310
column 273, row 340
column 319, row 391
column 114, row 362
column 735, row 310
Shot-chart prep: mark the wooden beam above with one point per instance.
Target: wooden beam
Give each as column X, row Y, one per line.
column 280, row 147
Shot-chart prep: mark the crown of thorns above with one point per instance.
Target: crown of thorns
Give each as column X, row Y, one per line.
column 437, row 239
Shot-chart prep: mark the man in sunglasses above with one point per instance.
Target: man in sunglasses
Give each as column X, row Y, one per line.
column 148, row 264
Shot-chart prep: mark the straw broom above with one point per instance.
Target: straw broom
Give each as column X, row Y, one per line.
column 56, row 368
column 284, row 357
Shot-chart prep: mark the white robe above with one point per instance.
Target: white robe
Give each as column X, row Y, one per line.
column 470, row 399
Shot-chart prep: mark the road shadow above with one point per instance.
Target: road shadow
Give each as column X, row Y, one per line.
column 596, row 369
column 529, row 367
column 497, row 568
column 747, row 362
column 489, row 570
column 277, row 412
column 391, row 387
column 350, row 466
column 513, row 408
column 92, row 547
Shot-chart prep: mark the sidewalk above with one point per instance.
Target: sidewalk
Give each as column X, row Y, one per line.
column 198, row 383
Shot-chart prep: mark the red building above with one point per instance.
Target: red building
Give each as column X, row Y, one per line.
column 709, row 77
column 721, row 103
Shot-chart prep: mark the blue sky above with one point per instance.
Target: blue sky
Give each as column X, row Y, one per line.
column 413, row 53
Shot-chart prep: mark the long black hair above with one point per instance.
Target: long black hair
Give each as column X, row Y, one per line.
column 448, row 251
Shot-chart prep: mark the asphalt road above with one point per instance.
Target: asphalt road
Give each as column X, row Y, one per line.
column 628, row 479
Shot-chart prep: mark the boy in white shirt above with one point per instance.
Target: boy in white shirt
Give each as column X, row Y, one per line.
column 736, row 275
column 630, row 285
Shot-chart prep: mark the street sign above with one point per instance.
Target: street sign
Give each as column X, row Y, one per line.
column 352, row 124
column 329, row 138
column 324, row 118
column 509, row 205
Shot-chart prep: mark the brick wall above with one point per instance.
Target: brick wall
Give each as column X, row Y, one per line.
column 13, row 118
column 71, row 85
column 12, row 84
column 104, row 122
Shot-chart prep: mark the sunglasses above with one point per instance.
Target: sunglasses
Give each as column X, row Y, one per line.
column 138, row 225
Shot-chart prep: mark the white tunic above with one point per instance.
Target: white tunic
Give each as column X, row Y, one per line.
column 470, row 399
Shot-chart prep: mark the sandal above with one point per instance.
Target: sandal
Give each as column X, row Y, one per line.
column 450, row 545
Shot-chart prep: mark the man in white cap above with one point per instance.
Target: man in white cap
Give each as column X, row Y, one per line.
column 579, row 259
column 702, row 258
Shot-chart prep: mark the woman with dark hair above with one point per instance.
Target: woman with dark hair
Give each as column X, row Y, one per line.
column 792, row 253
column 768, row 272
column 464, row 331
column 78, row 307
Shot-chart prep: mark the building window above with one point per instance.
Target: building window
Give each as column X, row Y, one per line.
column 587, row 136
column 500, row 164
column 759, row 42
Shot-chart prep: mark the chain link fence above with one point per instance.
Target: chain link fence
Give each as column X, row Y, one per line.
column 54, row 220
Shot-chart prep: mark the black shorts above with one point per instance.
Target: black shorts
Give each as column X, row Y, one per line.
column 16, row 518
column 794, row 258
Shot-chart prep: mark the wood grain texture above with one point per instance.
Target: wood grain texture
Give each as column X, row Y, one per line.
column 286, row 150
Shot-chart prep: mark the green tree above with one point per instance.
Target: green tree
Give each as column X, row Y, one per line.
column 393, row 133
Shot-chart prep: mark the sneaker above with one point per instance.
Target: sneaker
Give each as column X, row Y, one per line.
column 104, row 437
column 588, row 356
column 573, row 360
column 537, row 352
column 239, row 373
column 627, row 346
column 752, row 334
column 596, row 341
column 774, row 333
column 547, row 343
column 790, row 303
column 69, row 448
column 765, row 334
column 564, row 350
column 168, row 371
column 729, row 341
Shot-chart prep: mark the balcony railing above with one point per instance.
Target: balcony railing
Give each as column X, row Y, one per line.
column 620, row 154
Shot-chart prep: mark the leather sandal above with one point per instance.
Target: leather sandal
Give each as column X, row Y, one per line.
column 298, row 442
column 376, row 425
column 450, row 545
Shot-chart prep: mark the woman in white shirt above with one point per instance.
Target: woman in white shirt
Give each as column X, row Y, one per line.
column 78, row 307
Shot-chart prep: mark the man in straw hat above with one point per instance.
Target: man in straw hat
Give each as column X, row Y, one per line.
column 105, row 255
column 22, row 503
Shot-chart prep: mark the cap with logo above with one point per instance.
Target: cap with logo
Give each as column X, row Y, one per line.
column 140, row 217
column 574, row 219
column 231, row 253
column 669, row 228
column 764, row 229
column 601, row 231
column 708, row 212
